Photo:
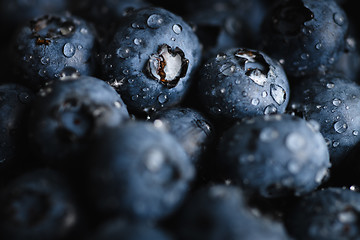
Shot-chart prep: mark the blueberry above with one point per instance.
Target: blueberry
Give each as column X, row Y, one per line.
column 218, row 29
column 121, row 229
column 242, row 82
column 220, row 212
column 332, row 101
column 305, row 35
column 274, row 155
column 38, row 205
column 189, row 126
column 250, row 12
column 15, row 13
column 151, row 59
column 44, row 46
column 349, row 59
column 67, row 113
column 138, row 171
column 331, row 213
column 103, row 14
column 15, row 102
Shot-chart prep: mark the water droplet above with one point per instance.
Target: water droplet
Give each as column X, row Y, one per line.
column 24, row 97
column 335, row 144
column 83, row 31
column 295, row 142
column 220, row 56
column 270, row 109
column 222, row 90
column 228, row 69
column 255, row 101
column 45, row 60
column 173, row 39
column 123, row 52
column 177, row 28
column 277, row 93
column 244, row 94
column 336, row 102
column 330, row 85
column 137, row 41
column 340, row 126
column 80, row 47
column 154, row 21
column 355, row 132
column 268, row 134
column 282, row 61
column 264, row 94
column 42, row 72
column 318, row 46
column 237, row 81
column 69, row 50
column 304, row 56
column 338, row 19
column 162, row 98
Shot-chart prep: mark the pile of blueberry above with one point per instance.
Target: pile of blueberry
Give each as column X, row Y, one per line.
column 181, row 120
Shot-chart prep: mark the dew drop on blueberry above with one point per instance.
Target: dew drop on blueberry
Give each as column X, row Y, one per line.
column 340, row 126
column 228, row 69
column 69, row 50
column 154, row 21
column 123, row 52
column 162, row 98
column 277, row 93
column 177, row 28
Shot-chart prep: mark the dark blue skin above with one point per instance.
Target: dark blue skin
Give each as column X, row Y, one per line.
column 67, row 113
column 219, row 30
column 189, row 126
column 15, row 103
column 251, row 12
column 327, row 214
column 242, row 82
column 105, row 14
column 38, row 205
column 44, row 46
column 120, row 229
column 331, row 100
column 349, row 60
column 133, row 61
column 15, row 13
column 274, row 155
column 220, row 212
column 139, row 171
column 305, row 35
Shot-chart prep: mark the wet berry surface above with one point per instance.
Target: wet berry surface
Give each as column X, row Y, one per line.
column 179, row 120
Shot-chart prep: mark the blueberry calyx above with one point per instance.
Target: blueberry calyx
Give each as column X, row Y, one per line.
column 254, row 64
column 288, row 19
column 75, row 120
column 69, row 73
column 47, row 28
column 167, row 65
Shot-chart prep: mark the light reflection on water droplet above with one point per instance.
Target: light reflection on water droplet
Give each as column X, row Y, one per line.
column 177, row 28
column 69, row 50
column 340, row 126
